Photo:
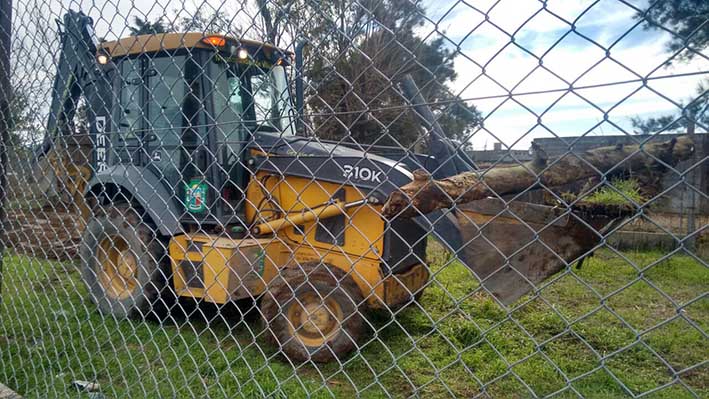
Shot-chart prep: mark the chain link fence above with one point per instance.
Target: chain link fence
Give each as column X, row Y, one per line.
column 385, row 198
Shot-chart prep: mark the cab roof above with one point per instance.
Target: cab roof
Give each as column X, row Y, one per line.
column 152, row 43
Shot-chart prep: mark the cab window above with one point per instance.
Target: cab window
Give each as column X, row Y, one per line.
column 130, row 113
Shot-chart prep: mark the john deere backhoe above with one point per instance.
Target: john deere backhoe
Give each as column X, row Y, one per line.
column 195, row 184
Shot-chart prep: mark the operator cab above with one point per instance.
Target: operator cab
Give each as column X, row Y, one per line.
column 186, row 105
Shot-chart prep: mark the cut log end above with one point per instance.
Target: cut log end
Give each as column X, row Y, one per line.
column 398, row 204
column 405, row 203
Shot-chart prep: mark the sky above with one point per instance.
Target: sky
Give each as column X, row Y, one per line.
column 499, row 45
column 571, row 59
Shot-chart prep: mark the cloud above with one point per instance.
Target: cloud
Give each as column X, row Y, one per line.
column 605, row 46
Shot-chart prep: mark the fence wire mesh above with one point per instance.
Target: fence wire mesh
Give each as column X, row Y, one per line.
column 380, row 198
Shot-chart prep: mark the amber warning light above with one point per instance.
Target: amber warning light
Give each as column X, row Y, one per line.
column 216, row 41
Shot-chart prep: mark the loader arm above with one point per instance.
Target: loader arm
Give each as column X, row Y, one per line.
column 512, row 246
column 505, row 244
column 447, row 160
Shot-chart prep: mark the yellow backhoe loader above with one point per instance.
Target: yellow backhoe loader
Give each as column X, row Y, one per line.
column 194, row 184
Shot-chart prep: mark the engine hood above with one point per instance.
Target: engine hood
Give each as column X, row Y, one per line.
column 375, row 175
column 311, row 158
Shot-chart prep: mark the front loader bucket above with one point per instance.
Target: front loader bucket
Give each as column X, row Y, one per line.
column 513, row 249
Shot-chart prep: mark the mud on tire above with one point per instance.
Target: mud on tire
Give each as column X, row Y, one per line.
column 118, row 232
column 313, row 312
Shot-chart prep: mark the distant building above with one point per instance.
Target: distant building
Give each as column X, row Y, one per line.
column 557, row 146
column 499, row 156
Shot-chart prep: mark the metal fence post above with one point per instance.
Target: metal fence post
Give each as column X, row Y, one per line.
column 693, row 180
column 5, row 98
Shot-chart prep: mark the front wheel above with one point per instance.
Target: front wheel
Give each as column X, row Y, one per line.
column 120, row 258
column 313, row 313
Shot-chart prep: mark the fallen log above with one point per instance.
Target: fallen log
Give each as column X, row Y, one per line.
column 424, row 194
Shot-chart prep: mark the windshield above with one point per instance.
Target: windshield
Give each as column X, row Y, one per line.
column 253, row 96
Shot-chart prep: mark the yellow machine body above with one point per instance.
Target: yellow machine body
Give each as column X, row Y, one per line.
column 220, row 269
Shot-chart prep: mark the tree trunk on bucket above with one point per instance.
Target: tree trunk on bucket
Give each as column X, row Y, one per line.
column 424, row 194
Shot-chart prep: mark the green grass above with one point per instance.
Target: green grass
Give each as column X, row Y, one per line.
column 458, row 342
column 622, row 192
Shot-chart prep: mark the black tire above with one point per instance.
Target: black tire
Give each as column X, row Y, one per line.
column 109, row 228
column 329, row 285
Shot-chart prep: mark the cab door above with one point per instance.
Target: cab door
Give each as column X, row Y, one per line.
column 176, row 136
column 230, row 134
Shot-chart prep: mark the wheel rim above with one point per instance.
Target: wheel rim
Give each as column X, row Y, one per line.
column 313, row 321
column 118, row 272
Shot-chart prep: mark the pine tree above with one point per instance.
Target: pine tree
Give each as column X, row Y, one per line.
column 357, row 54
column 145, row 27
column 688, row 20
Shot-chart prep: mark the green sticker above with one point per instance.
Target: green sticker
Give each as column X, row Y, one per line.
column 196, row 196
column 261, row 261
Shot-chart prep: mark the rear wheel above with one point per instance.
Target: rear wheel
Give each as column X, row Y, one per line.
column 121, row 259
column 313, row 313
